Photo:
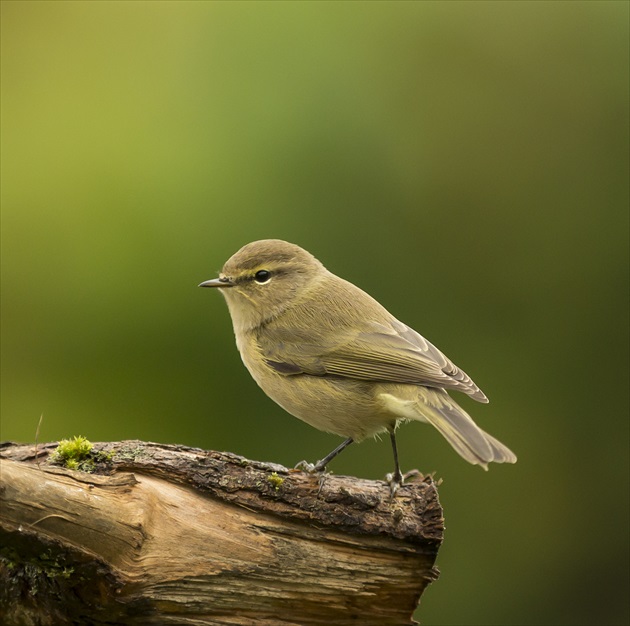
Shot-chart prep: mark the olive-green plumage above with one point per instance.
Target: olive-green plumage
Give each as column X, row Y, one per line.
column 331, row 355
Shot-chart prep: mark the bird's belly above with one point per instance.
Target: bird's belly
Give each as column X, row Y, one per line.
column 345, row 407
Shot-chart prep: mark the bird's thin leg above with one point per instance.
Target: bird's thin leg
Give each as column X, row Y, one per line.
column 395, row 480
column 320, row 466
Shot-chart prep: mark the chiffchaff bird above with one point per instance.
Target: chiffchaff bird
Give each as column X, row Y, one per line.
column 331, row 355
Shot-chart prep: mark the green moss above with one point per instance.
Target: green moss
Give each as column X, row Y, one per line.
column 9, row 557
column 78, row 454
column 53, row 567
column 72, row 464
column 76, row 448
column 74, row 454
column 35, row 569
column 102, row 457
column 275, row 480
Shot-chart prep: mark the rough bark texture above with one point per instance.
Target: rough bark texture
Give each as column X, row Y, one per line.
column 163, row 534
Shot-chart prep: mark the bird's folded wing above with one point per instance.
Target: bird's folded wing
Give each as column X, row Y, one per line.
column 376, row 352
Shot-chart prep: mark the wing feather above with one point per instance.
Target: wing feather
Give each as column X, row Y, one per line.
column 376, row 352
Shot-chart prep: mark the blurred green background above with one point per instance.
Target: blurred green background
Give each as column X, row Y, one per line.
column 464, row 162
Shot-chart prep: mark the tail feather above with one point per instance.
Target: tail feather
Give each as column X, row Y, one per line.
column 457, row 427
column 502, row 454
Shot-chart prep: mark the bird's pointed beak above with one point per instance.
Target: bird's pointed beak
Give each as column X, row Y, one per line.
column 217, row 282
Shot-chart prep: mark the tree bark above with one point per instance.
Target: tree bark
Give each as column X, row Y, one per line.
column 163, row 534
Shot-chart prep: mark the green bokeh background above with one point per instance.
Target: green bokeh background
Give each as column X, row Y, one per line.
column 464, row 162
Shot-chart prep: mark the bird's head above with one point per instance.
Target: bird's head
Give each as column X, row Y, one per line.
column 264, row 278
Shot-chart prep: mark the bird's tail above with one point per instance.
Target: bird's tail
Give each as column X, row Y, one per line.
column 437, row 408
column 458, row 428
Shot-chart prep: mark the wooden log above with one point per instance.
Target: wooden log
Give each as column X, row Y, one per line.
column 164, row 534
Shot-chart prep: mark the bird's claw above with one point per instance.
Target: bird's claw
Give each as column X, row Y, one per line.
column 314, row 468
column 305, row 466
column 395, row 480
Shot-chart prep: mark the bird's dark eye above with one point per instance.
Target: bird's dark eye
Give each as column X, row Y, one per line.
column 262, row 276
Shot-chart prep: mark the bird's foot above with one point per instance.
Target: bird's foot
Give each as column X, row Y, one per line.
column 314, row 468
column 396, row 480
column 305, row 466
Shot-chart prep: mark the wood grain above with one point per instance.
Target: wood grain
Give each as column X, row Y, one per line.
column 173, row 535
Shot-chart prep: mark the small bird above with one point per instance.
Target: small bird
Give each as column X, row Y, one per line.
column 332, row 356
